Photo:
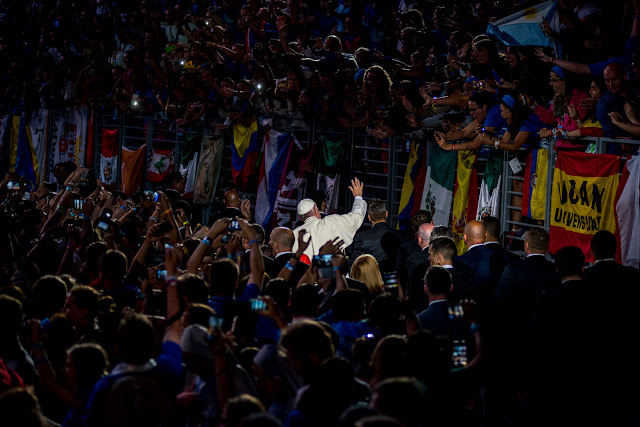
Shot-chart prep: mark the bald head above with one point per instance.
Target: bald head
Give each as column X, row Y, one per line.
column 474, row 233
column 424, row 234
column 614, row 77
column 283, row 236
column 232, row 198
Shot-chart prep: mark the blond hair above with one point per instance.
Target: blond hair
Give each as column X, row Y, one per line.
column 365, row 268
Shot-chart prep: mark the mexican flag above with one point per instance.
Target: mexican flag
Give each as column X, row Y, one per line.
column 489, row 198
column 439, row 184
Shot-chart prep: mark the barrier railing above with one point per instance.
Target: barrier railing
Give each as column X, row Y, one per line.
column 380, row 164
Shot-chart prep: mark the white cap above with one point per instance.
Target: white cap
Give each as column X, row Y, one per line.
column 305, row 206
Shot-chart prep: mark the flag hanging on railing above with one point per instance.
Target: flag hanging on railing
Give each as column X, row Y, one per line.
column 109, row 156
column 160, row 164
column 132, row 169
column 413, row 185
column 189, row 164
column 292, row 186
column 439, row 184
column 329, row 173
column 534, row 189
column 465, row 198
column 583, row 199
column 39, row 131
column 489, row 197
column 26, row 160
column 244, row 153
column 628, row 213
column 69, row 136
column 209, row 167
column 276, row 151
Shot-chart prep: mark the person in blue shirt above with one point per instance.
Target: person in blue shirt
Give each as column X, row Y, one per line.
column 522, row 131
column 613, row 100
column 486, row 114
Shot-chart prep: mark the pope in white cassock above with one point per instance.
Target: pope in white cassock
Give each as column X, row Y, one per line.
column 328, row 228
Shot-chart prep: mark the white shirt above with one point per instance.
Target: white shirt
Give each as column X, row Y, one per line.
column 332, row 226
column 477, row 244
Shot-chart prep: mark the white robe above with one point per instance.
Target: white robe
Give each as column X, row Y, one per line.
column 332, row 226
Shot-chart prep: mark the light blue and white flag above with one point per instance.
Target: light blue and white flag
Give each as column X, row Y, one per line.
column 523, row 28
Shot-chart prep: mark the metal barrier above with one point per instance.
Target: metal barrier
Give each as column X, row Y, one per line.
column 380, row 164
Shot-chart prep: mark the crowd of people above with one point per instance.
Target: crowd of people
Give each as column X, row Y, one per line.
column 117, row 311
column 120, row 310
column 387, row 67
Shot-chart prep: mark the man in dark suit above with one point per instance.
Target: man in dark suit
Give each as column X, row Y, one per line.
column 606, row 268
column 381, row 240
column 416, row 267
column 234, row 207
column 562, row 324
column 437, row 285
column 268, row 262
column 509, row 322
column 443, row 252
column 492, row 238
column 487, row 265
column 411, row 246
column 281, row 242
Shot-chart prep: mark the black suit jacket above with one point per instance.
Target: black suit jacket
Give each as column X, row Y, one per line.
column 382, row 242
column 564, row 379
column 417, row 265
column 497, row 247
column 407, row 249
column 278, row 264
column 487, row 267
column 268, row 263
column 435, row 318
column 516, row 296
column 462, row 281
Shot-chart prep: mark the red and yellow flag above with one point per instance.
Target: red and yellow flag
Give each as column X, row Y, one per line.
column 583, row 195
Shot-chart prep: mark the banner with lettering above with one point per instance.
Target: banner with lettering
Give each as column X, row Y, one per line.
column 583, row 196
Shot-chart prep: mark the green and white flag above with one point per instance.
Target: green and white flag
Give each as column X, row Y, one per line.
column 438, row 189
column 489, row 199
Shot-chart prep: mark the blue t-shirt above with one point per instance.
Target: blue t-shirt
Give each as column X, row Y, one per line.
column 495, row 120
column 531, row 124
column 597, row 69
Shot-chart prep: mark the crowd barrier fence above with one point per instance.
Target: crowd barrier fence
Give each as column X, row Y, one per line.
column 379, row 164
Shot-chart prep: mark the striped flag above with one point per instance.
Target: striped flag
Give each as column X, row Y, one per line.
column 160, row 164
column 489, row 197
column 276, row 154
column 244, row 153
column 628, row 213
column 413, row 184
column 583, row 199
column 109, row 156
column 534, row 190
column 439, row 184
column 523, row 28
column 465, row 199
